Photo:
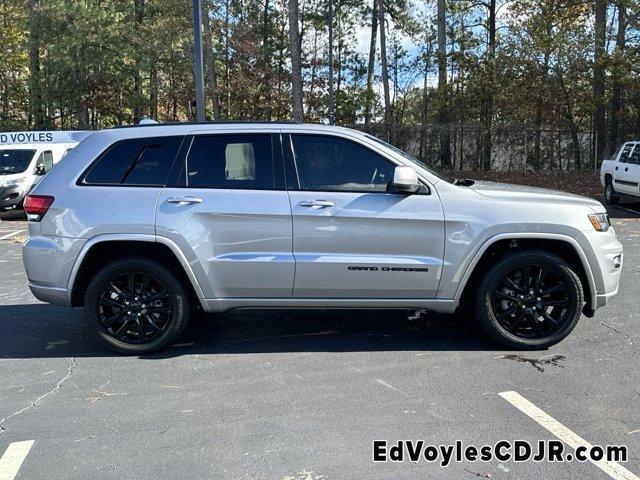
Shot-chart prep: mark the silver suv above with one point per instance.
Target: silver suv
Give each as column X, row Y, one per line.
column 143, row 225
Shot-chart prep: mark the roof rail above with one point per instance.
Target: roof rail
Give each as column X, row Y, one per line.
column 218, row 122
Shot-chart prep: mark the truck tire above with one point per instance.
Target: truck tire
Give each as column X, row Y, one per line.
column 610, row 197
column 136, row 306
column 529, row 299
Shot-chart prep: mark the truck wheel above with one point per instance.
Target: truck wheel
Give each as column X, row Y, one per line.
column 529, row 299
column 136, row 306
column 610, row 196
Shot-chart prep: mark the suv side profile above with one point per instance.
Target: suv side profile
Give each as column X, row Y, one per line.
column 142, row 225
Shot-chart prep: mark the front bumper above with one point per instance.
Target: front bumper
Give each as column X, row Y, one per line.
column 605, row 257
column 10, row 197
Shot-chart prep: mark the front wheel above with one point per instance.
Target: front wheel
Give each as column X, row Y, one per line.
column 529, row 299
column 136, row 306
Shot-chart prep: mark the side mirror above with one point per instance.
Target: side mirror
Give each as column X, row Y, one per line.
column 39, row 170
column 405, row 180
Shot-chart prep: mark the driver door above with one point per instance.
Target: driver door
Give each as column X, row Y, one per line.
column 351, row 238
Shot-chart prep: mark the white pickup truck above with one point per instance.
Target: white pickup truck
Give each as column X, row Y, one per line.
column 620, row 174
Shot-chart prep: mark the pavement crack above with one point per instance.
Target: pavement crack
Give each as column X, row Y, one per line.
column 620, row 332
column 37, row 401
column 537, row 363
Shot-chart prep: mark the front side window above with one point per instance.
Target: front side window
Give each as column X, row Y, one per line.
column 634, row 157
column 15, row 161
column 243, row 162
column 139, row 161
column 333, row 164
column 626, row 151
column 44, row 162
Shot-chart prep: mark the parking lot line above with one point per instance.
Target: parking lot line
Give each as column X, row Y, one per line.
column 12, row 459
column 613, row 469
column 11, row 234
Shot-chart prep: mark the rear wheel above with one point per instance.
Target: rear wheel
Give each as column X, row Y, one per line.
column 610, row 196
column 529, row 300
column 136, row 306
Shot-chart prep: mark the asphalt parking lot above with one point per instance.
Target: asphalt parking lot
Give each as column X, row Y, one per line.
column 303, row 394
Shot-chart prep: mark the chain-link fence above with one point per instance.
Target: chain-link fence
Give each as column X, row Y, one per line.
column 513, row 147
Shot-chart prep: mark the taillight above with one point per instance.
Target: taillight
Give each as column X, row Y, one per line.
column 36, row 206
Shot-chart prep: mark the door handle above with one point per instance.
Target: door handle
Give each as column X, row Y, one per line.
column 316, row 203
column 616, row 168
column 626, row 169
column 184, row 200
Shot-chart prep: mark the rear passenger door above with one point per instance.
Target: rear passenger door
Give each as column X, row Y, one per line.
column 227, row 208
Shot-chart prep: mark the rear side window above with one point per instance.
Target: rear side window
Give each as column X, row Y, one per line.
column 634, row 158
column 243, row 162
column 139, row 161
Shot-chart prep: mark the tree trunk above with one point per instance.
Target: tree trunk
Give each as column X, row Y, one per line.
column 210, row 63
column 617, row 89
column 598, row 78
column 487, row 114
column 153, row 87
column 445, row 141
column 371, row 65
column 35, row 92
column 385, row 68
column 296, row 62
column 138, row 108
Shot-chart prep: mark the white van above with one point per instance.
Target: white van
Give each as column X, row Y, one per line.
column 25, row 157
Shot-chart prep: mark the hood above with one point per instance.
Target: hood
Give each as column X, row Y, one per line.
column 523, row 193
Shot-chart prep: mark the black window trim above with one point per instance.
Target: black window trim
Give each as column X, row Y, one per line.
column 82, row 178
column 276, row 155
column 423, row 191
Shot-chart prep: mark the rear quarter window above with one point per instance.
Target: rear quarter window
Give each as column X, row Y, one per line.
column 136, row 162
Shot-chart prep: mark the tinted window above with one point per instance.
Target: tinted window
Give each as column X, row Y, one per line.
column 634, row 158
column 139, row 161
column 230, row 161
column 15, row 161
column 626, row 150
column 333, row 164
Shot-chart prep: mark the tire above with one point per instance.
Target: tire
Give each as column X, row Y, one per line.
column 118, row 314
column 518, row 319
column 610, row 197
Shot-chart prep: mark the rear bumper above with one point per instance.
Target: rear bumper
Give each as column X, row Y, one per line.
column 48, row 262
column 54, row 295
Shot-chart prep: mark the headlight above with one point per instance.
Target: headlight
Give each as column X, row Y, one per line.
column 600, row 221
column 14, row 182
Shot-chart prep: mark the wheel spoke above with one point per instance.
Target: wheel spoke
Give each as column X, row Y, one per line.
column 108, row 322
column 505, row 296
column 542, row 273
column 153, row 324
column 111, row 302
column 158, row 309
column 131, row 283
column 506, row 314
column 141, row 335
column 549, row 318
column 548, row 303
column 145, row 285
column 157, row 296
column 526, row 276
column 118, row 291
column 513, row 327
column 555, row 289
column 512, row 285
column 123, row 329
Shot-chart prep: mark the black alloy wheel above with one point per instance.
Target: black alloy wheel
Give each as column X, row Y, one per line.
column 137, row 305
column 134, row 307
column 529, row 299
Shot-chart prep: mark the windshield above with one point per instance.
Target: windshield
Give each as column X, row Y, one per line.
column 15, row 161
column 411, row 159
